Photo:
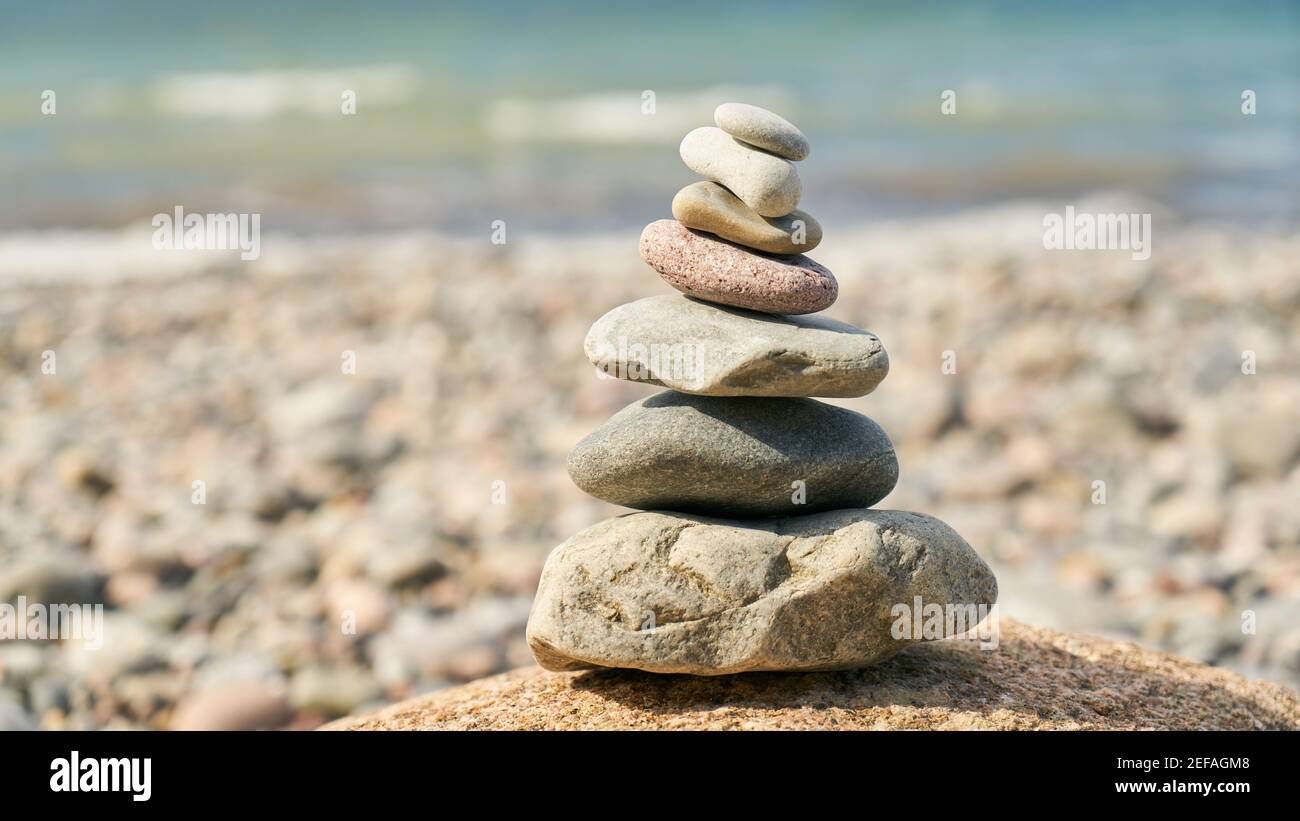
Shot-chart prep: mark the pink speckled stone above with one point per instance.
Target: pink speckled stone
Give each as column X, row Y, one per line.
column 705, row 267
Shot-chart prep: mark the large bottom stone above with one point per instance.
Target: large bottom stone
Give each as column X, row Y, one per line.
column 671, row 593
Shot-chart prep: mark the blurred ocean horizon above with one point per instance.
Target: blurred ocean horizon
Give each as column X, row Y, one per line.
column 468, row 113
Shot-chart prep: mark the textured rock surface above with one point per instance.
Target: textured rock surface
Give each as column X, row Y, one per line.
column 767, row 183
column 762, row 128
column 735, row 456
column 712, row 269
column 675, row 594
column 707, row 206
column 1036, row 679
column 713, row 350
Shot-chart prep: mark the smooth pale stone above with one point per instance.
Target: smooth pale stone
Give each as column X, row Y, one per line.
column 703, row 266
column 762, row 128
column 713, row 350
column 668, row 593
column 735, row 456
column 765, row 182
column 707, row 206
column 238, row 705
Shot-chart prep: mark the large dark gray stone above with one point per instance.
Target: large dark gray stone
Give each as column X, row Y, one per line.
column 735, row 456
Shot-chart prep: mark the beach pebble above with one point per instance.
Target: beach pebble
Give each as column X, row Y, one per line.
column 405, row 565
column 48, row 696
column 244, row 705
column 735, row 456
column 80, row 470
column 762, row 128
column 359, row 604
column 711, row 269
column 712, row 350
column 21, row 661
column 765, row 182
column 332, row 691
column 420, row 644
column 13, row 718
column 474, row 662
column 52, row 576
column 669, row 593
column 119, row 644
column 707, row 206
column 128, row 587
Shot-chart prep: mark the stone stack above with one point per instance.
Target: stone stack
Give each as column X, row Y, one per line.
column 758, row 550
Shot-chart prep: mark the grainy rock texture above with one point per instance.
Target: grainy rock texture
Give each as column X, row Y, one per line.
column 714, row 350
column 676, row 594
column 762, row 128
column 733, row 456
column 1036, row 679
column 707, row 206
column 765, row 182
column 703, row 266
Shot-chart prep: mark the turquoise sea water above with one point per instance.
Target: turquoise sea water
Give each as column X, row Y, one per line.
column 533, row 112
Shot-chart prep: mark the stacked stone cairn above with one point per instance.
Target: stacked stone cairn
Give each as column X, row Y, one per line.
column 757, row 550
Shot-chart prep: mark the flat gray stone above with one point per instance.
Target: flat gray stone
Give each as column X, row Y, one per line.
column 762, row 128
column 713, row 350
column 735, row 456
column 668, row 593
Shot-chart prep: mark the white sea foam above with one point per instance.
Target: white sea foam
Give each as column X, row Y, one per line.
column 257, row 95
column 617, row 117
column 94, row 255
column 127, row 254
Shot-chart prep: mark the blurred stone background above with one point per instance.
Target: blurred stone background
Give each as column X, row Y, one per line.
column 334, row 498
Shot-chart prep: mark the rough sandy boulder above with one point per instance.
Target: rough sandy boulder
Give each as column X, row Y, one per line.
column 1035, row 679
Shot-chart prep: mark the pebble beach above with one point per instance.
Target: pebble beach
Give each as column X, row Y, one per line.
column 375, row 535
